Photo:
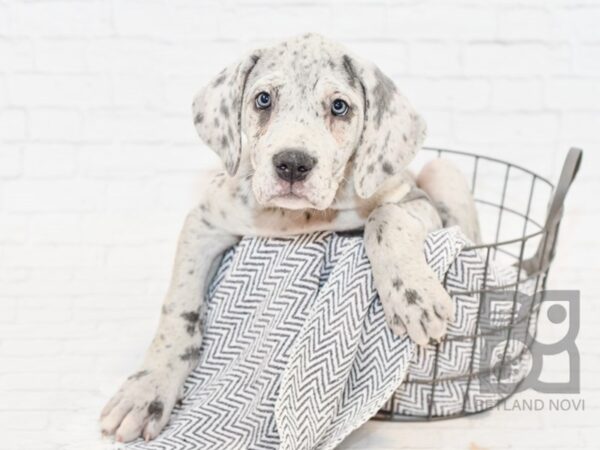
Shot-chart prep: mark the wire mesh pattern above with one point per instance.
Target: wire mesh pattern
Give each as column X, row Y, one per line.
column 513, row 204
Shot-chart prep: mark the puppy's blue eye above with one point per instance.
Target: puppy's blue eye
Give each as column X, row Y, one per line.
column 339, row 107
column 263, row 100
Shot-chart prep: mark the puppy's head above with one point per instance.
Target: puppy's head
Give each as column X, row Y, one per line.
column 304, row 115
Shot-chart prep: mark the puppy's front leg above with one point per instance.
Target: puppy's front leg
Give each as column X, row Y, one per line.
column 412, row 297
column 144, row 402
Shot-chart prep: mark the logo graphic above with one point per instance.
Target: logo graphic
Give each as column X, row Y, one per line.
column 512, row 354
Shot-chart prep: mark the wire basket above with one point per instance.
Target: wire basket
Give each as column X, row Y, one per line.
column 520, row 213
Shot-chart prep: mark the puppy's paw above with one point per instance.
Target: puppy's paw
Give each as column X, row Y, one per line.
column 141, row 407
column 421, row 307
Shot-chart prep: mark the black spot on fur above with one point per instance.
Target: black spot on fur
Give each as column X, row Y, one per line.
column 219, row 80
column 423, row 327
column 349, row 68
column 224, row 109
column 437, row 314
column 412, row 297
column 207, row 223
column 155, row 409
column 396, row 320
column 138, row 375
column 307, row 216
column 192, row 318
column 387, row 139
column 397, row 283
column 388, row 168
column 199, row 118
column 191, row 353
column 379, row 233
column 383, row 93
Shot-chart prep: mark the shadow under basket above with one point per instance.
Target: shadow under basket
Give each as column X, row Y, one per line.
column 474, row 371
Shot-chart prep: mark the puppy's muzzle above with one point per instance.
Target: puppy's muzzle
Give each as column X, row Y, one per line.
column 293, row 165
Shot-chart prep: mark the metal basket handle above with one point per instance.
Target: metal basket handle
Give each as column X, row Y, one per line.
column 545, row 251
column 567, row 175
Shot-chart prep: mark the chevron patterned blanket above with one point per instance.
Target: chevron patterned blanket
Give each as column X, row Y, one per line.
column 296, row 353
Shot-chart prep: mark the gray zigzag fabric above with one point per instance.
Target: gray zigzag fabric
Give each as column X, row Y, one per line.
column 455, row 390
column 345, row 362
column 296, row 353
column 302, row 310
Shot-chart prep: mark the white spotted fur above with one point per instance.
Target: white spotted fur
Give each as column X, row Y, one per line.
column 359, row 180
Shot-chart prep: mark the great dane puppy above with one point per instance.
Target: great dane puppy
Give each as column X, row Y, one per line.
column 312, row 138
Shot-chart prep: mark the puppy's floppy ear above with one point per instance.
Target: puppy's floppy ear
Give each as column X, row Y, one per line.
column 217, row 110
column 392, row 131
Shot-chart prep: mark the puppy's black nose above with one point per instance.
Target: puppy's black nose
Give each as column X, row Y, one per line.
column 293, row 165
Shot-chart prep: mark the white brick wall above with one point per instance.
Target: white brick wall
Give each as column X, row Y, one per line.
column 99, row 162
